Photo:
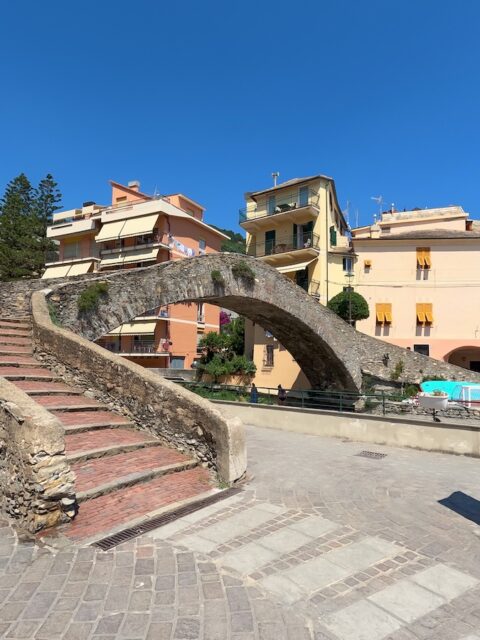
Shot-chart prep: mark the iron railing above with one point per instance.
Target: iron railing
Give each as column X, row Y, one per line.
column 279, row 204
column 285, row 244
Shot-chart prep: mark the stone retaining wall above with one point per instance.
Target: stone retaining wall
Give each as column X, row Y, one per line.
column 36, row 484
column 176, row 415
column 444, row 437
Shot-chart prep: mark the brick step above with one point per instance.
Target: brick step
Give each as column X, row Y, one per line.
column 39, row 388
column 134, row 505
column 82, row 428
column 18, row 361
column 89, row 419
column 68, row 402
column 102, row 442
column 21, row 342
column 26, row 373
column 21, row 326
column 16, row 319
column 17, row 333
column 104, row 475
column 15, row 350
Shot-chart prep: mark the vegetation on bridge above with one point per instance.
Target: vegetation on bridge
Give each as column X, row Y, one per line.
column 92, row 296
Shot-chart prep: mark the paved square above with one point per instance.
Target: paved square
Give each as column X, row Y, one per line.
column 320, row 545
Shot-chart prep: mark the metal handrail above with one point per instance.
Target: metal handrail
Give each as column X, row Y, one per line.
column 284, row 244
column 283, row 204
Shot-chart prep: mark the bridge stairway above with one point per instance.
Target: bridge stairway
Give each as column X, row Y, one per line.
column 124, row 476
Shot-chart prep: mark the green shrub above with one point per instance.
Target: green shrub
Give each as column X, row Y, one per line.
column 53, row 314
column 242, row 271
column 411, row 390
column 398, row 370
column 92, row 296
column 349, row 302
column 217, row 277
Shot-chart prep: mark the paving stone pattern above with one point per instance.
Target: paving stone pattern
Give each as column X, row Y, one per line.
column 320, row 545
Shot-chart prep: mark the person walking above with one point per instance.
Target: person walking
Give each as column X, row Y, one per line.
column 282, row 395
column 253, row 394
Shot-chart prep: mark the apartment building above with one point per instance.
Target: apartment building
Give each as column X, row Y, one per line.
column 138, row 230
column 418, row 271
column 297, row 227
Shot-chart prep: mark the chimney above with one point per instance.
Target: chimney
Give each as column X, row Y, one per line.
column 134, row 185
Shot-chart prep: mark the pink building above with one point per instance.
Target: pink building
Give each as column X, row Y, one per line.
column 419, row 272
column 140, row 230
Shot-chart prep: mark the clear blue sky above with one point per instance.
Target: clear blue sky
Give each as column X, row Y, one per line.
column 208, row 98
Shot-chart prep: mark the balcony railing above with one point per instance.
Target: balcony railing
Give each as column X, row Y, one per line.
column 287, row 244
column 281, row 204
column 163, row 312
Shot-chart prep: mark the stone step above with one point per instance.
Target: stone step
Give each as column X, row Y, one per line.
column 132, row 506
column 19, row 341
column 39, row 388
column 100, row 476
column 81, row 428
column 69, row 402
column 18, row 361
column 100, row 442
column 91, row 419
column 26, row 373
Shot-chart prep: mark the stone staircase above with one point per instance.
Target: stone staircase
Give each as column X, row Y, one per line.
column 124, row 476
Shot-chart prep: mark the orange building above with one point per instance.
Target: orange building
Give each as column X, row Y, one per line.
column 139, row 230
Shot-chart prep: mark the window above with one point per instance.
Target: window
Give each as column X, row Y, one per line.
column 423, row 258
column 200, row 335
column 269, row 242
column 71, row 250
column 200, row 312
column 202, row 247
column 423, row 349
column 383, row 313
column 269, row 355
column 144, row 239
column 424, row 313
column 121, row 199
column 177, row 362
column 348, row 264
column 271, row 205
column 333, row 237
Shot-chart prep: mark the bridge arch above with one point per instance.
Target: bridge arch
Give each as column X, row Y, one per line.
column 319, row 340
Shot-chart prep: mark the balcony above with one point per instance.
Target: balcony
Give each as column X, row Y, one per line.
column 163, row 313
column 71, row 227
column 285, row 249
column 297, row 207
column 143, row 349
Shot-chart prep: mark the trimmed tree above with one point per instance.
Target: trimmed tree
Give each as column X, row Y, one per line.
column 340, row 304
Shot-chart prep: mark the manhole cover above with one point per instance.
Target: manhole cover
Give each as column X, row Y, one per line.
column 374, row 455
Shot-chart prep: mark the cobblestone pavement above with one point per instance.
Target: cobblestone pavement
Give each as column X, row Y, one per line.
column 322, row 544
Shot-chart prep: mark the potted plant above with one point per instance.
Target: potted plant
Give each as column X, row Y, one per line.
column 437, row 400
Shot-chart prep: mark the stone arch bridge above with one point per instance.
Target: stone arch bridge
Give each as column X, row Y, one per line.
column 330, row 352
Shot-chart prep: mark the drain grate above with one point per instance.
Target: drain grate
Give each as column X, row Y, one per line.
column 128, row 534
column 374, row 455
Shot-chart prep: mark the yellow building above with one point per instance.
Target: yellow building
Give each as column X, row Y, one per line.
column 298, row 227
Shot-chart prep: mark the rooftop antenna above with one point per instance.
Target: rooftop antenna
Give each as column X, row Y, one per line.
column 275, row 175
column 379, row 201
column 356, row 217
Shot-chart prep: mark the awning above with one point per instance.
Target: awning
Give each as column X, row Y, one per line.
column 117, row 259
column 139, row 226
column 127, row 228
column 144, row 328
column 80, row 268
column 299, row 266
column 56, row 272
column 110, row 231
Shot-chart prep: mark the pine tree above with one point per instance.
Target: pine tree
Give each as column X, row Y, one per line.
column 16, row 209
column 47, row 201
column 25, row 213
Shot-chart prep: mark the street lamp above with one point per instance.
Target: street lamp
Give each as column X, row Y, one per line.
column 350, row 275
